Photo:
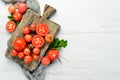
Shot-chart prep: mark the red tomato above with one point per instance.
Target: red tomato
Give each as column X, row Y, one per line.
column 28, row 38
column 42, row 29
column 22, row 7
column 11, row 9
column 37, row 41
column 10, row 26
column 26, row 51
column 14, row 52
column 36, row 51
column 19, row 44
column 26, row 30
column 17, row 16
column 49, row 38
column 16, row 11
column 35, row 57
column 28, row 59
column 32, row 27
column 21, row 55
column 30, row 46
column 45, row 61
column 53, row 54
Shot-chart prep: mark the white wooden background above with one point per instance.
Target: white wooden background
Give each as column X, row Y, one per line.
column 92, row 28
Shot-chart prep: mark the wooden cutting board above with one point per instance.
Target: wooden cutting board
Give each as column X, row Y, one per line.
column 30, row 17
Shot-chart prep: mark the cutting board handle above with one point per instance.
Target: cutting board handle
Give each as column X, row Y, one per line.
column 48, row 12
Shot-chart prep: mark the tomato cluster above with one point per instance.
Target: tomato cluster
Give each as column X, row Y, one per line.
column 51, row 56
column 16, row 15
column 29, row 46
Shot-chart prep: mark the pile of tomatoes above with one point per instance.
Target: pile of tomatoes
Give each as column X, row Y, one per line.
column 16, row 15
column 28, row 48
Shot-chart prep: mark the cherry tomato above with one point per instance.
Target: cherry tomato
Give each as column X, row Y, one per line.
column 36, row 51
column 16, row 11
column 28, row 38
column 11, row 9
column 42, row 29
column 21, row 55
column 37, row 41
column 14, row 52
column 30, row 46
column 35, row 57
column 49, row 38
column 32, row 27
column 22, row 7
column 26, row 51
column 19, row 44
column 45, row 61
column 17, row 16
column 10, row 26
column 53, row 54
column 28, row 59
column 26, row 30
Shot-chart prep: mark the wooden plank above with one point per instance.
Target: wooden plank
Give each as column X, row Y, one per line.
column 28, row 18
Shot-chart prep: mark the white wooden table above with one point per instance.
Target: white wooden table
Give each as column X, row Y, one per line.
column 92, row 28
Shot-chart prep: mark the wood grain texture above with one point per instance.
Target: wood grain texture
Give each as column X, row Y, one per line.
column 28, row 18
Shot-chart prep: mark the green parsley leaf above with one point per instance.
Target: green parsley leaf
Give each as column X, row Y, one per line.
column 58, row 44
column 10, row 17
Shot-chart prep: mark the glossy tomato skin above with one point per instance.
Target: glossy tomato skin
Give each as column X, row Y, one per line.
column 14, row 52
column 49, row 38
column 35, row 57
column 10, row 26
column 33, row 27
column 28, row 38
column 36, row 51
column 17, row 16
column 53, row 54
column 30, row 46
column 26, row 51
column 11, row 9
column 19, row 44
column 26, row 30
column 45, row 61
column 28, row 59
column 37, row 41
column 21, row 55
column 42, row 29
column 22, row 7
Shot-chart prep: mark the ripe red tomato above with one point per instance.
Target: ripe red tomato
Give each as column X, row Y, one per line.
column 26, row 51
column 32, row 27
column 42, row 29
column 22, row 7
column 19, row 44
column 49, row 38
column 45, row 61
column 21, row 55
column 37, row 41
column 53, row 54
column 11, row 9
column 30, row 46
column 14, row 52
column 36, row 51
column 17, row 16
column 26, row 30
column 28, row 59
column 16, row 11
column 35, row 57
column 28, row 38
column 10, row 26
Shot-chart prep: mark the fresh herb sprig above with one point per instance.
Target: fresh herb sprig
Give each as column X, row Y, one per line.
column 58, row 44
